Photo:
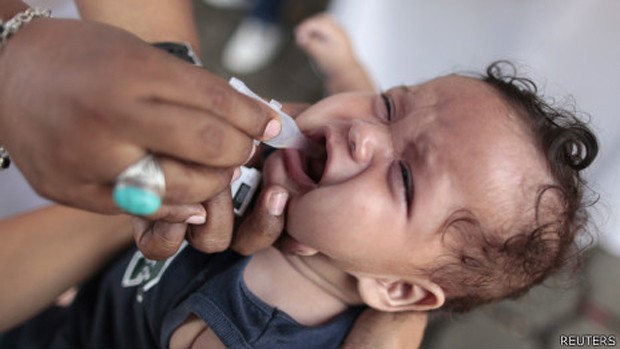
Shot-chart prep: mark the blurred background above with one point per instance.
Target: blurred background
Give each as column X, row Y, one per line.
column 569, row 47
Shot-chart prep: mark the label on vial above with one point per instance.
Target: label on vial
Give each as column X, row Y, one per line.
column 244, row 188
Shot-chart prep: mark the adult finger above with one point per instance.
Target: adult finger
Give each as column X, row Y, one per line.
column 195, row 87
column 189, row 134
column 185, row 183
column 381, row 330
column 216, row 233
column 287, row 244
column 190, row 183
column 264, row 224
column 184, row 213
column 158, row 239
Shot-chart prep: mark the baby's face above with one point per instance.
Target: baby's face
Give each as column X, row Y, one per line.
column 399, row 165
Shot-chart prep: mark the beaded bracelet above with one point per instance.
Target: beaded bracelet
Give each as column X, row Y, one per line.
column 8, row 29
column 5, row 160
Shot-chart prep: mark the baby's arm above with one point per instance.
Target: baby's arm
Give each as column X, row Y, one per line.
column 326, row 42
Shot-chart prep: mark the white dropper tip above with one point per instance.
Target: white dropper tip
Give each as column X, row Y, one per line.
column 290, row 136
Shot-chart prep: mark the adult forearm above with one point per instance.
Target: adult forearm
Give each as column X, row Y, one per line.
column 44, row 252
column 161, row 20
column 378, row 330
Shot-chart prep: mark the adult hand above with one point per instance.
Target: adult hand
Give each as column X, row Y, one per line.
column 260, row 228
column 379, row 330
column 81, row 101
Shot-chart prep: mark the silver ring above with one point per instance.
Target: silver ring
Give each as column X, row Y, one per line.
column 139, row 189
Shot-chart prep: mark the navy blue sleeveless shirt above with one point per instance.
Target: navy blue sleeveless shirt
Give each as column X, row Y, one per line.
column 138, row 303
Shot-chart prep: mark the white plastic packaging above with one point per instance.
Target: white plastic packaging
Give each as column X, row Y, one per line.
column 290, row 136
column 243, row 189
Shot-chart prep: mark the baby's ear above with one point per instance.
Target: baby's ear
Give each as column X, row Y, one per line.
column 392, row 295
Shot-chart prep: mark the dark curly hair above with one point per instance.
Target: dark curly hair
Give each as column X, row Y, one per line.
column 485, row 267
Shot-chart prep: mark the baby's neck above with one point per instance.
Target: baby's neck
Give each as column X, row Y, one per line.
column 309, row 289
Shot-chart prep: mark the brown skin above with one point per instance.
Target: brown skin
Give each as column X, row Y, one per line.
column 65, row 246
column 375, row 329
column 118, row 112
column 262, row 227
column 169, row 20
column 44, row 252
column 99, row 121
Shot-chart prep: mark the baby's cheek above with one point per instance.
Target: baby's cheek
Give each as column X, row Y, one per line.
column 315, row 213
column 305, row 219
column 328, row 226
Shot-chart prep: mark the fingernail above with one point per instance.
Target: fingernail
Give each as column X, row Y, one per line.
column 276, row 203
column 303, row 250
column 236, row 175
column 196, row 220
column 272, row 129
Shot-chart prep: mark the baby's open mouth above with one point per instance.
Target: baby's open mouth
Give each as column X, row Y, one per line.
column 313, row 160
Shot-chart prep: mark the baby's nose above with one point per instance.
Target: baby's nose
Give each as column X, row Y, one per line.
column 368, row 139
